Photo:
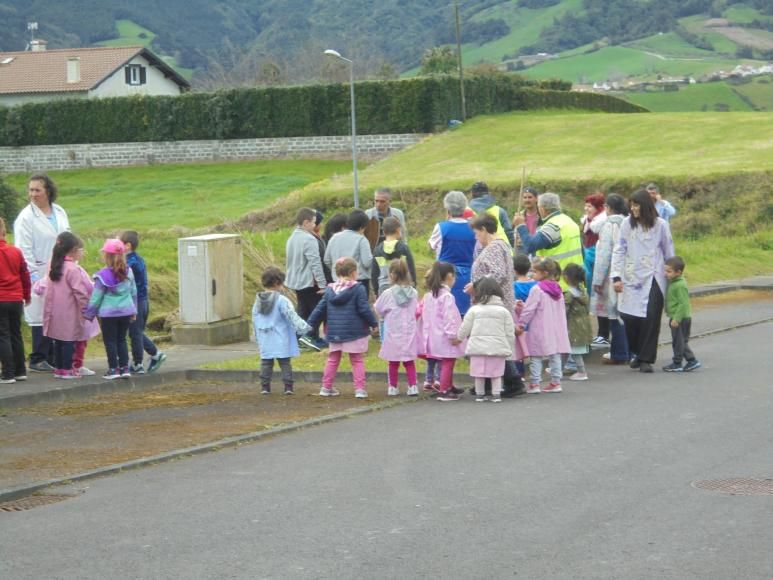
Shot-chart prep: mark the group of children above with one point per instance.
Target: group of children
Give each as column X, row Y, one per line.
column 116, row 297
column 550, row 322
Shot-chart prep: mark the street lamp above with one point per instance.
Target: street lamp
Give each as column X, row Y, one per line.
column 335, row 53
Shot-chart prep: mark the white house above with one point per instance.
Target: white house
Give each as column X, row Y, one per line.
column 80, row 73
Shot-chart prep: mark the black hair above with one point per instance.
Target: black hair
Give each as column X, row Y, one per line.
column 486, row 287
column 648, row 214
column 272, row 277
column 574, row 274
column 676, row 263
column 437, row 275
column 617, row 204
column 521, row 264
column 479, row 189
column 66, row 242
column 485, row 222
column 357, row 220
column 131, row 237
column 335, row 224
column 48, row 184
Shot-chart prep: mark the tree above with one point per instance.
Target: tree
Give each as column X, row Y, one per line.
column 9, row 202
column 438, row 60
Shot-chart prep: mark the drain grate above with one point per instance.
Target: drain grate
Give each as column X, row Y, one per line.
column 32, row 501
column 737, row 486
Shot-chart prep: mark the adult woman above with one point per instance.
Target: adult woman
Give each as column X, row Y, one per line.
column 34, row 233
column 530, row 214
column 603, row 301
column 454, row 242
column 592, row 221
column 637, row 272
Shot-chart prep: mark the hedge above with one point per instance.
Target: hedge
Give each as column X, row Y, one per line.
column 405, row 106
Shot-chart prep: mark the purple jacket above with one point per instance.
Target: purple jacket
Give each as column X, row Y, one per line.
column 112, row 298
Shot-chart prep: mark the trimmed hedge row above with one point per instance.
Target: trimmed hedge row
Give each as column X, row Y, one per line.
column 406, row 106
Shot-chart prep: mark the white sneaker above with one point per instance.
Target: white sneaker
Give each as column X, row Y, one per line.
column 607, row 355
column 393, row 391
column 413, row 391
column 480, row 398
column 85, row 372
column 331, row 392
column 533, row 389
column 361, row 394
column 579, row 377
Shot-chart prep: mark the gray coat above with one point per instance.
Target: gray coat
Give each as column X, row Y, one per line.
column 304, row 265
column 350, row 244
column 395, row 213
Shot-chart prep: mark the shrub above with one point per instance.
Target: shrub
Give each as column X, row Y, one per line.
column 9, row 202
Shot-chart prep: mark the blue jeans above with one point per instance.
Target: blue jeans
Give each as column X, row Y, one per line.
column 141, row 344
column 619, row 342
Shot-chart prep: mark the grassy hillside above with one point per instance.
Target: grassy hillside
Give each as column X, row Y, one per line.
column 701, row 97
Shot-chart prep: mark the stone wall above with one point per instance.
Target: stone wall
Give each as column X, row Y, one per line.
column 53, row 157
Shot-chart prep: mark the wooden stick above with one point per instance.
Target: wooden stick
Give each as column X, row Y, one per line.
column 520, row 195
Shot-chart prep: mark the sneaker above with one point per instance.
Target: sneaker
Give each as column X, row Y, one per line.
column 553, row 388
column 85, row 372
column 634, row 364
column 645, row 367
column 392, row 391
column 137, row 369
column 331, row 392
column 156, row 362
column 111, row 374
column 611, row 361
column 413, row 391
column 41, row 367
column 58, row 373
column 265, row 390
column 360, row 394
column 309, row 342
column 67, row 374
column 7, row 381
column 125, row 374
column 289, row 390
column 533, row 389
column 20, row 377
column 599, row 342
column 690, row 365
column 496, row 399
column 673, row 368
column 449, row 395
column 456, row 391
column 579, row 377
column 607, row 356
column 429, row 387
column 320, row 342
column 480, row 398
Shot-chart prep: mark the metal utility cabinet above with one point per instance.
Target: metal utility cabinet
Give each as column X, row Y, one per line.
column 211, row 288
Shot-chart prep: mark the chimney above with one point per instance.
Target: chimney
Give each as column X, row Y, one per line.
column 74, row 69
column 38, row 45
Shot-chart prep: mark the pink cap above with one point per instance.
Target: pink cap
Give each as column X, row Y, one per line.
column 114, row 246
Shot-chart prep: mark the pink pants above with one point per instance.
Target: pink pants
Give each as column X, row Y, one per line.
column 446, row 373
column 79, row 353
column 331, row 368
column 410, row 371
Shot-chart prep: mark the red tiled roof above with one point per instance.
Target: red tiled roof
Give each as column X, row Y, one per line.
column 46, row 71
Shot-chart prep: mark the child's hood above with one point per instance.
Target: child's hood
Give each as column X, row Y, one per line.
column 343, row 292
column 403, row 295
column 551, row 288
column 266, row 301
column 108, row 278
column 389, row 247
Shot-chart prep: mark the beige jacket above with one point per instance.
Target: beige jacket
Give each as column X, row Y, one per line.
column 490, row 330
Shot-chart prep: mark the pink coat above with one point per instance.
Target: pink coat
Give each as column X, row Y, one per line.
column 521, row 346
column 64, row 302
column 439, row 323
column 397, row 307
column 546, row 318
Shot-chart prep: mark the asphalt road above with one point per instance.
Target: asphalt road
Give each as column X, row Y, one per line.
column 591, row 483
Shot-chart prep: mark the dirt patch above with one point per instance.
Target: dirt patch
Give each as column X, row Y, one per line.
column 746, row 37
column 60, row 439
column 735, row 297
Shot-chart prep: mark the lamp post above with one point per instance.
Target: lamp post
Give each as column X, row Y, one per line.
column 335, row 53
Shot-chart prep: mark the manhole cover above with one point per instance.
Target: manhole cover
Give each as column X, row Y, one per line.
column 32, row 501
column 737, row 486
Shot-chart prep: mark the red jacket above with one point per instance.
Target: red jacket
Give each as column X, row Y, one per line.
column 15, row 282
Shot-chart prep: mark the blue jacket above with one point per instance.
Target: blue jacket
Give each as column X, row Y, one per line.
column 348, row 314
column 276, row 325
column 137, row 264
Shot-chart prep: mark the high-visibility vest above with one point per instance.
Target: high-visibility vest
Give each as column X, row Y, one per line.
column 493, row 211
column 569, row 250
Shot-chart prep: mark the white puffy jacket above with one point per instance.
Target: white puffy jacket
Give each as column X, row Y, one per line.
column 490, row 330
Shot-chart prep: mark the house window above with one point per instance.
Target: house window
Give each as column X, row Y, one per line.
column 135, row 74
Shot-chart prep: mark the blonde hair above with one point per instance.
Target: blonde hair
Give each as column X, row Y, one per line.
column 117, row 263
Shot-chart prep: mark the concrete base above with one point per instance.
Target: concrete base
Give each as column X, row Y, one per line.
column 213, row 333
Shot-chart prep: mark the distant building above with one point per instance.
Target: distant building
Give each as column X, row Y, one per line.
column 42, row 75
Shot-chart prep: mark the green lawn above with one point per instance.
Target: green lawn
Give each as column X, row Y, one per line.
column 742, row 14
column 699, row 97
column 670, row 44
column 759, row 91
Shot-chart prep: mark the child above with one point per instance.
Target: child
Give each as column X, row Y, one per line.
column 489, row 326
column 397, row 307
column 432, row 375
column 545, row 314
column 114, row 301
column 680, row 317
column 523, row 284
column 392, row 248
column 345, row 308
column 439, row 324
column 141, row 344
column 67, row 291
column 15, row 289
column 577, row 318
column 276, row 328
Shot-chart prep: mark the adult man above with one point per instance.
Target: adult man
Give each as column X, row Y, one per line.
column 530, row 213
column 558, row 237
column 665, row 209
column 305, row 274
column 382, row 209
column 483, row 202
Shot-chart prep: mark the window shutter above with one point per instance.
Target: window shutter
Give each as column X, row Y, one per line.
column 143, row 75
column 128, row 75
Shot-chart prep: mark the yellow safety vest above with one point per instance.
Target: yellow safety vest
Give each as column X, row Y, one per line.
column 569, row 251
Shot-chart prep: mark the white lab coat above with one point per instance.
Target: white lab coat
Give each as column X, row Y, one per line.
column 35, row 236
